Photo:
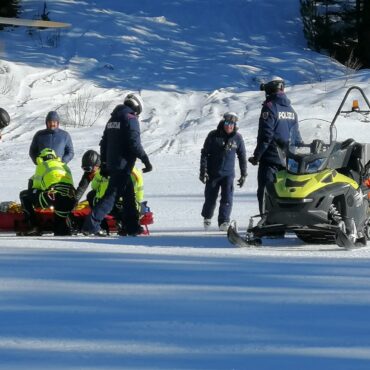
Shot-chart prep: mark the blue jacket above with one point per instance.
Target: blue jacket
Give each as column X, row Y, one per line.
column 278, row 123
column 219, row 152
column 121, row 142
column 58, row 140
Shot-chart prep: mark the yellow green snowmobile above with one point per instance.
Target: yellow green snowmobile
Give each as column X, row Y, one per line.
column 320, row 195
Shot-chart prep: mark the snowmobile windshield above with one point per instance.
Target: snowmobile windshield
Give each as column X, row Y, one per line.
column 311, row 131
column 310, row 153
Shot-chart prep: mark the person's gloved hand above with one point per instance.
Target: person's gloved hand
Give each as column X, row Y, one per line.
column 253, row 161
column 148, row 166
column 103, row 170
column 241, row 181
column 203, row 177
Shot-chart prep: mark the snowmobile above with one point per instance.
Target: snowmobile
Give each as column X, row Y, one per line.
column 321, row 195
column 12, row 218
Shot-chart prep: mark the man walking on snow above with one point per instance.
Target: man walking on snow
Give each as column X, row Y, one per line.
column 217, row 169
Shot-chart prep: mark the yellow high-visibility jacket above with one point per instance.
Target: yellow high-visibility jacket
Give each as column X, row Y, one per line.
column 100, row 184
column 51, row 172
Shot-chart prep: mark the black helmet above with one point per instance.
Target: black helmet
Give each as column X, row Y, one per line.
column 135, row 102
column 47, row 154
column 4, row 118
column 273, row 86
column 90, row 159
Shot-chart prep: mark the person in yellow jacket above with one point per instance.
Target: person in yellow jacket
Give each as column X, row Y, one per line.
column 91, row 166
column 51, row 186
column 99, row 186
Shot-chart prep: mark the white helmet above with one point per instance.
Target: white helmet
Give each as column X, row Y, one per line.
column 273, row 86
column 231, row 117
column 135, row 102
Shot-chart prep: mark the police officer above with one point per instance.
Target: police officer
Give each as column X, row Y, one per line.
column 278, row 123
column 120, row 146
column 52, row 185
column 217, row 169
column 54, row 138
column 4, row 119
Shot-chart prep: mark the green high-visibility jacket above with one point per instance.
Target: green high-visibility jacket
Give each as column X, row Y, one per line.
column 51, row 172
column 100, row 184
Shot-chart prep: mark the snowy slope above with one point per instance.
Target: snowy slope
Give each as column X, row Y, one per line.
column 181, row 298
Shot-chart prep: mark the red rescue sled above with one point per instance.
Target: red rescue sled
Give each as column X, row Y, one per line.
column 11, row 218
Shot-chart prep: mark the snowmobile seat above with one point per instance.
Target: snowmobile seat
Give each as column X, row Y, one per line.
column 355, row 161
column 354, row 166
column 347, row 143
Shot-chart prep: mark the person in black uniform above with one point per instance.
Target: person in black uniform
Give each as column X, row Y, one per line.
column 120, row 146
column 278, row 123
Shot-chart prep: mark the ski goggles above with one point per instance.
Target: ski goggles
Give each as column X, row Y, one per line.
column 88, row 168
column 229, row 123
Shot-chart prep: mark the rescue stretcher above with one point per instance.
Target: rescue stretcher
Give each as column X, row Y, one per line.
column 12, row 218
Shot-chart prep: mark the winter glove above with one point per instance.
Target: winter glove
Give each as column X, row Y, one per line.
column 253, row 161
column 203, row 177
column 148, row 166
column 241, row 181
column 103, row 170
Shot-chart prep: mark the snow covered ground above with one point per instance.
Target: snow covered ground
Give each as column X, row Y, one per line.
column 181, row 298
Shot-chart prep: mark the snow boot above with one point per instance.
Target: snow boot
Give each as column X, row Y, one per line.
column 224, row 226
column 31, row 231
column 207, row 224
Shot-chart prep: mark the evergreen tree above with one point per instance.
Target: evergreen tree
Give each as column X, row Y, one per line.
column 341, row 28
column 364, row 32
column 9, row 8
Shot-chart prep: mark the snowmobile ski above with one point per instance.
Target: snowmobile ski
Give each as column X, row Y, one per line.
column 236, row 239
column 343, row 241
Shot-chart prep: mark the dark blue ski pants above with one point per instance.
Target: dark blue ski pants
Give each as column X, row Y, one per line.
column 266, row 174
column 211, row 191
column 120, row 184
